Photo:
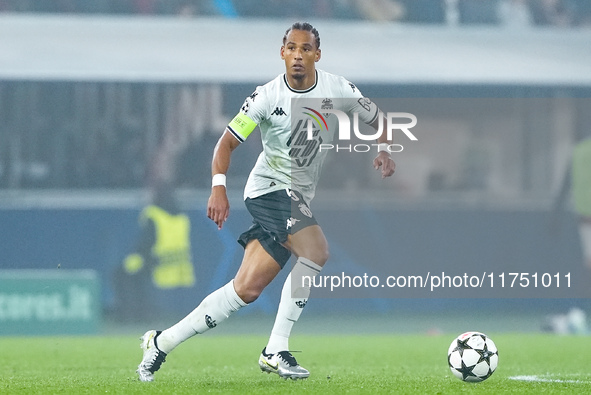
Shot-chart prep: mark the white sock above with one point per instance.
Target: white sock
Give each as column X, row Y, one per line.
column 214, row 309
column 294, row 297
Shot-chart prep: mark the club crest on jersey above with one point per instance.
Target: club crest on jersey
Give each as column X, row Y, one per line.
column 326, row 105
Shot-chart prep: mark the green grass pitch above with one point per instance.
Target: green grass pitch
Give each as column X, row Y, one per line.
column 372, row 364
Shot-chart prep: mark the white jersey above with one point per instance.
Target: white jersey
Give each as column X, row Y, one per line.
column 289, row 159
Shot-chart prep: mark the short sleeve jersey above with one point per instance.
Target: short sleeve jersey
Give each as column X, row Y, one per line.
column 289, row 159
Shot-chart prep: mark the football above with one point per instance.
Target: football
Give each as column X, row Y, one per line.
column 472, row 357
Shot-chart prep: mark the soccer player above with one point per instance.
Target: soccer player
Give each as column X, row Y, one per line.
column 277, row 195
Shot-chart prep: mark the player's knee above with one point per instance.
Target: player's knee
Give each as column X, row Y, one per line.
column 248, row 294
column 319, row 255
column 325, row 254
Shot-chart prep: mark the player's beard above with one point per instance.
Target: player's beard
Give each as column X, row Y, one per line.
column 298, row 71
column 298, row 76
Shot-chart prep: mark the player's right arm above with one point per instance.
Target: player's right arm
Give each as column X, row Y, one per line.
column 238, row 130
column 218, row 206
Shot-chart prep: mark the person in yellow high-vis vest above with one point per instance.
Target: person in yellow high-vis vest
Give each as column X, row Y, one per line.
column 165, row 248
column 161, row 262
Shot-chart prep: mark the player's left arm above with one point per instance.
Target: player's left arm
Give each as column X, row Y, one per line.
column 384, row 159
column 370, row 113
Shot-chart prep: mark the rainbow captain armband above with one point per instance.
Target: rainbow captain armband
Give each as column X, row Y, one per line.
column 241, row 126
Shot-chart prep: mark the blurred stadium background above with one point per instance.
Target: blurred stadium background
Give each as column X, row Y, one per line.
column 99, row 98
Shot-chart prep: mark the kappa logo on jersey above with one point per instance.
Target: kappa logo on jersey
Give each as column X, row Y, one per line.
column 305, row 210
column 352, row 86
column 278, row 111
column 291, row 222
column 303, row 150
column 301, row 303
column 254, row 94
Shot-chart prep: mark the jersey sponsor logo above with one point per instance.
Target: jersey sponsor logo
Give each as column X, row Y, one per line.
column 278, row 111
column 303, row 150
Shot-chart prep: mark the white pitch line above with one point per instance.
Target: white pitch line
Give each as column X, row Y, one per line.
column 541, row 379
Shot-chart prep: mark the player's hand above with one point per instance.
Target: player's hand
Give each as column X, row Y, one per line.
column 218, row 206
column 385, row 162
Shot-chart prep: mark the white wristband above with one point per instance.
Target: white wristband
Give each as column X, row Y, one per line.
column 383, row 147
column 218, row 179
